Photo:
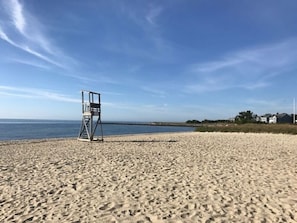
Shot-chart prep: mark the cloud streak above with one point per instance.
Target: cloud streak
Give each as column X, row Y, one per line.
column 153, row 14
column 29, row 50
column 32, row 63
column 146, row 41
column 246, row 69
column 17, row 15
column 24, row 32
column 35, row 94
column 154, row 91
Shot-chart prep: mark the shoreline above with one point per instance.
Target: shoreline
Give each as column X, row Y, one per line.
column 160, row 177
column 41, row 131
column 7, row 141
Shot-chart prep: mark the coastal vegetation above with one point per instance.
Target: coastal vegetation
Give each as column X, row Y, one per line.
column 245, row 117
column 245, row 121
column 249, row 127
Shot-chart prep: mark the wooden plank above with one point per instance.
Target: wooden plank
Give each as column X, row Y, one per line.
column 94, row 105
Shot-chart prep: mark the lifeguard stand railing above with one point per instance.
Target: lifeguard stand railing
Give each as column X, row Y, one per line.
column 91, row 117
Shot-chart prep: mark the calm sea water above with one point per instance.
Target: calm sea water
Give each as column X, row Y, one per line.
column 14, row 129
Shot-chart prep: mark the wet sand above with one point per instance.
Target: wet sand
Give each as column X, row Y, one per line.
column 175, row 177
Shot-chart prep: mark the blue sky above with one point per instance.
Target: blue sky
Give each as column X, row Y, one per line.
column 170, row 60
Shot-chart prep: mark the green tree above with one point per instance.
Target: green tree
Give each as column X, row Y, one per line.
column 193, row 122
column 245, row 117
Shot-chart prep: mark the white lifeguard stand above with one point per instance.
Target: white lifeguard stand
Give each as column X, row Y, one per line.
column 91, row 116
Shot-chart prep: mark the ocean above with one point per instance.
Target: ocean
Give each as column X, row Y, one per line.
column 17, row 129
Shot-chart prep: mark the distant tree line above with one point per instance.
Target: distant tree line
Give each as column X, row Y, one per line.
column 245, row 117
column 207, row 121
column 193, row 122
column 242, row 118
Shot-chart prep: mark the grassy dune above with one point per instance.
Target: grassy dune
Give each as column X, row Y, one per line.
column 256, row 128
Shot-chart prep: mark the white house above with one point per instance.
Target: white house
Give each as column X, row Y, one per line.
column 264, row 119
column 273, row 119
column 277, row 118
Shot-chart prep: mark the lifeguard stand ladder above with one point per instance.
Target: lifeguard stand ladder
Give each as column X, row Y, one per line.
column 91, row 116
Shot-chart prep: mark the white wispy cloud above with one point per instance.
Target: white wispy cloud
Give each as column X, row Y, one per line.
column 32, row 63
column 217, row 65
column 141, row 14
column 23, row 31
column 18, row 18
column 28, row 26
column 272, row 106
column 35, row 94
column 153, row 14
column 154, row 91
column 263, row 103
column 29, row 50
column 6, row 38
column 248, row 69
column 41, row 56
column 146, row 41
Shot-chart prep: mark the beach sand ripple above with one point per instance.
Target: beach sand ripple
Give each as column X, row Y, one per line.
column 176, row 177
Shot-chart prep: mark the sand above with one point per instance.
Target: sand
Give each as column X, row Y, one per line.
column 176, row 177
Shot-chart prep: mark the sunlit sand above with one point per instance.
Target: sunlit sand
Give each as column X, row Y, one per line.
column 178, row 177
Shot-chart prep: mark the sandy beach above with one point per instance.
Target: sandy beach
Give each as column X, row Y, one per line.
column 176, row 177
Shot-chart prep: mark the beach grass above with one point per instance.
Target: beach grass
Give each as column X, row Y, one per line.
column 250, row 128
